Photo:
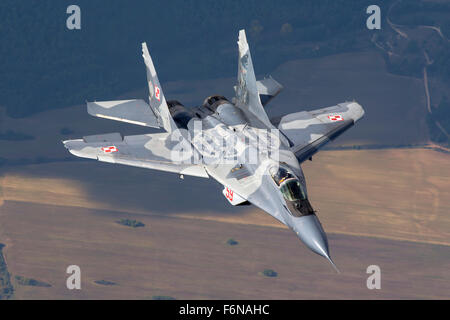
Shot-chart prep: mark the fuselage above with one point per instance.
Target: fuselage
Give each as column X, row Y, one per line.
column 256, row 160
column 252, row 159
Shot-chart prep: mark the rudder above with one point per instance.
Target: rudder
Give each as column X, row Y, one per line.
column 156, row 97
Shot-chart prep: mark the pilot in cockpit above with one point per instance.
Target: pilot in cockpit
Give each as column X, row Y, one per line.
column 292, row 190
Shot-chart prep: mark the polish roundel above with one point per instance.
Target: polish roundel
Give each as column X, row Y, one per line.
column 336, row 117
column 109, row 149
column 157, row 93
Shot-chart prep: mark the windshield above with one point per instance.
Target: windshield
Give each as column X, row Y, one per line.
column 290, row 186
column 292, row 190
column 280, row 174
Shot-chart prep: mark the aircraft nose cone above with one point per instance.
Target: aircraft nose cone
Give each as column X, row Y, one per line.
column 310, row 231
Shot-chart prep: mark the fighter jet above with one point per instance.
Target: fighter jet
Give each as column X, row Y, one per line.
column 256, row 159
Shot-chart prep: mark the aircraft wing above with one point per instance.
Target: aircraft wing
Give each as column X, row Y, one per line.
column 151, row 151
column 308, row 131
column 131, row 111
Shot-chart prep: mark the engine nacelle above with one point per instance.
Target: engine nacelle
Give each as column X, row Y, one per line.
column 213, row 102
column 180, row 114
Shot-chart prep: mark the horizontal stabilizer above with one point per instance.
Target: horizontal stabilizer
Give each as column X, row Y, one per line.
column 132, row 111
column 268, row 89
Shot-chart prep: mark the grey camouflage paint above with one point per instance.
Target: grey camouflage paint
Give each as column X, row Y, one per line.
column 244, row 124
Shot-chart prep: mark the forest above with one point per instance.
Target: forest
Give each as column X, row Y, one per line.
column 44, row 65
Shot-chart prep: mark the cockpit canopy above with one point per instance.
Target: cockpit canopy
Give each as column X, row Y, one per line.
column 280, row 174
column 292, row 190
column 289, row 184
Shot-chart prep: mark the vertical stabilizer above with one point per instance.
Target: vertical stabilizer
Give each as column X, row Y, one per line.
column 156, row 98
column 247, row 96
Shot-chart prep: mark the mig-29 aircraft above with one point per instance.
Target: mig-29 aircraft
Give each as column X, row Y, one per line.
column 256, row 160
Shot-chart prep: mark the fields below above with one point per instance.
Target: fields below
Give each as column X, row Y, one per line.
column 384, row 207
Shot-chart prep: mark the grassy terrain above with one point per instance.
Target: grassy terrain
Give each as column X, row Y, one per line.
column 394, row 105
column 396, row 218
column 350, row 185
column 187, row 260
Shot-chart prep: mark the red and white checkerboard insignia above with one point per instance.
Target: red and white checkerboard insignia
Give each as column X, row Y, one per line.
column 157, row 93
column 336, row 117
column 109, row 149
